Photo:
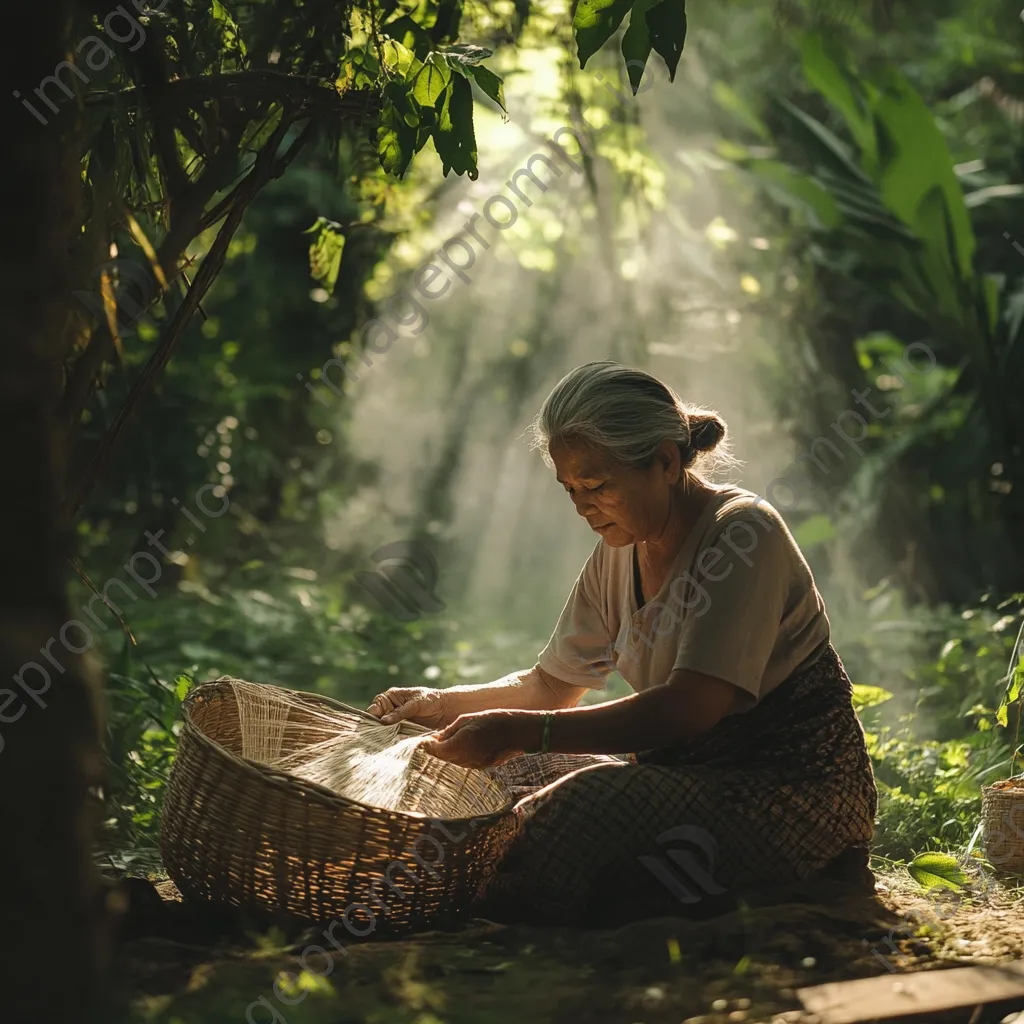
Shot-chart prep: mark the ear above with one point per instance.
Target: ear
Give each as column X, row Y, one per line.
column 669, row 459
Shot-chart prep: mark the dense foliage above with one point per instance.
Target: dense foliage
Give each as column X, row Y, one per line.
column 874, row 176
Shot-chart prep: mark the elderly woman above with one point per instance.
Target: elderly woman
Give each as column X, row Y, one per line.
column 740, row 742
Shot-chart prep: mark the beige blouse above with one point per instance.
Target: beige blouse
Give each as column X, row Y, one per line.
column 739, row 604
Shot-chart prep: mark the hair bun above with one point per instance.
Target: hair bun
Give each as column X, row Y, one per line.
column 707, row 431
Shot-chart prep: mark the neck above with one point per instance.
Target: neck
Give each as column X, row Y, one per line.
column 687, row 501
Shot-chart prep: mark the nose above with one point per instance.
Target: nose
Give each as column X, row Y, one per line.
column 584, row 506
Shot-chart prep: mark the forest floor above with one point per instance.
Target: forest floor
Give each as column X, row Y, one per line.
column 743, row 966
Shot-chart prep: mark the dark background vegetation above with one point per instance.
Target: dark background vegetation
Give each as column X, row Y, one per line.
column 840, row 180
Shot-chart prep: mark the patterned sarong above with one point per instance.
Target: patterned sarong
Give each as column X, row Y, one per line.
column 769, row 795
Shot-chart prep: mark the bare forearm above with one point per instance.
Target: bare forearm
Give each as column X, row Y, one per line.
column 659, row 717
column 527, row 690
column 643, row 721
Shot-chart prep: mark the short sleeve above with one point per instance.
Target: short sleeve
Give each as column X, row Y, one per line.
column 746, row 573
column 580, row 649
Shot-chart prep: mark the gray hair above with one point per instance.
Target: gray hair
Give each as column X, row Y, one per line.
column 628, row 413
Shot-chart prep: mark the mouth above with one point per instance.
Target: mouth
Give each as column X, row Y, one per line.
column 598, row 529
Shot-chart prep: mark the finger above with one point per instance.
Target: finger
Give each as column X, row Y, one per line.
column 446, row 750
column 409, row 709
column 433, row 747
column 451, row 729
column 380, row 705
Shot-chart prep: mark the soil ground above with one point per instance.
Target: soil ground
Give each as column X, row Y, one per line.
column 743, row 966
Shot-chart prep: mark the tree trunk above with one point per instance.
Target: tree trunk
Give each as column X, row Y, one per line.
column 49, row 748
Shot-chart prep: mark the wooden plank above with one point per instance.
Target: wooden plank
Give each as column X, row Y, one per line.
column 916, row 992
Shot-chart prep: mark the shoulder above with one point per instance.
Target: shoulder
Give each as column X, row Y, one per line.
column 744, row 521
column 736, row 504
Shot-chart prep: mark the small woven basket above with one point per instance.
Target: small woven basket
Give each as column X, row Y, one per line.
column 1002, row 816
column 234, row 831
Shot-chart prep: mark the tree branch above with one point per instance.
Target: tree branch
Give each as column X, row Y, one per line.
column 268, row 165
column 253, row 87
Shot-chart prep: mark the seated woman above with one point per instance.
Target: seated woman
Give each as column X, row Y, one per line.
column 746, row 762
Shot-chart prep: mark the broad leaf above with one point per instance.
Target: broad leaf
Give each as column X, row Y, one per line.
column 666, row 23
column 828, row 150
column 1016, row 684
column 814, row 530
column 397, row 143
column 325, row 252
column 797, row 190
column 937, row 869
column 594, row 23
column 430, row 81
column 865, row 696
column 921, row 163
column 832, row 82
column 636, row 43
column 397, row 57
column 454, row 138
column 491, row 84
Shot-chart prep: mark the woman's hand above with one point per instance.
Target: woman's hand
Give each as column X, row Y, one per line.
column 485, row 738
column 419, row 704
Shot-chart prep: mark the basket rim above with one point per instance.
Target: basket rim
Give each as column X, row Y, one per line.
column 999, row 787
column 313, row 790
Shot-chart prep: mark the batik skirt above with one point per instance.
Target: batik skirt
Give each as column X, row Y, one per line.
column 772, row 794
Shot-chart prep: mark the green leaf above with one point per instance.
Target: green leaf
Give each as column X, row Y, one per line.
column 827, row 149
column 390, row 152
column 491, row 85
column 666, row 23
column 868, row 696
column 921, row 162
column 182, row 684
column 454, row 137
column 1016, row 684
column 796, row 190
column 325, row 252
column 400, row 108
column 814, row 530
column 397, row 57
column 838, row 87
column 594, row 23
column 430, row 81
column 636, row 43
column 937, row 869
column 728, row 99
column 397, row 141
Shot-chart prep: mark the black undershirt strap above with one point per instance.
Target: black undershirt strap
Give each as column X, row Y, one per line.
column 638, row 590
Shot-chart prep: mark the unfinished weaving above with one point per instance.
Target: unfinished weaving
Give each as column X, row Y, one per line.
column 363, row 761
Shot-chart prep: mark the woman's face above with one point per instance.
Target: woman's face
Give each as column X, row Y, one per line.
column 623, row 505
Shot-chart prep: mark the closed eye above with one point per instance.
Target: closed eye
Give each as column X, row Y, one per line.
column 592, row 490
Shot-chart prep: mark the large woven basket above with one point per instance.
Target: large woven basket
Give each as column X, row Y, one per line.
column 234, row 831
column 1002, row 815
